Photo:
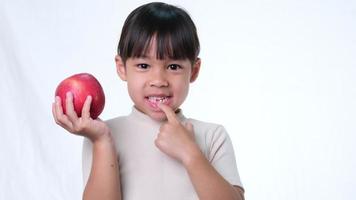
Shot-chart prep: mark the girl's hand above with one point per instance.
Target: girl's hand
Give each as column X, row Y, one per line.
column 85, row 126
column 175, row 139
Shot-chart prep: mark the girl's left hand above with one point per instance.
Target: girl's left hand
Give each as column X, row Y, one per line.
column 175, row 139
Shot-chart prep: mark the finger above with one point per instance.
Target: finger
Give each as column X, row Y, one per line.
column 86, row 107
column 70, row 112
column 158, row 145
column 59, row 116
column 54, row 112
column 58, row 106
column 171, row 115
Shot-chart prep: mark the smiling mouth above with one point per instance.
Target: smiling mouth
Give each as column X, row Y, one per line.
column 154, row 100
column 158, row 99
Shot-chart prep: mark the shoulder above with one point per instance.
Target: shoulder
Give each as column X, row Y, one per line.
column 115, row 119
column 116, row 122
column 207, row 126
column 209, row 131
column 118, row 125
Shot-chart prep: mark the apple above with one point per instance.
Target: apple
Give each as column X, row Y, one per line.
column 82, row 85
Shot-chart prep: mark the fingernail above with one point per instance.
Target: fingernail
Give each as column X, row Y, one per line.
column 68, row 94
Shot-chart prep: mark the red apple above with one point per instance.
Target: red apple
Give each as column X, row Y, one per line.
column 81, row 85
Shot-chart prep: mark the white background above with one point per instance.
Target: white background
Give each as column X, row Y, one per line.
column 280, row 75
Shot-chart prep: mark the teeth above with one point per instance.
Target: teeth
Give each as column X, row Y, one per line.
column 157, row 99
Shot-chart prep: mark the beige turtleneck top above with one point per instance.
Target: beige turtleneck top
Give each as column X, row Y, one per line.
column 147, row 173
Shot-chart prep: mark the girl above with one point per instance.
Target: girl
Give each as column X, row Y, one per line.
column 155, row 152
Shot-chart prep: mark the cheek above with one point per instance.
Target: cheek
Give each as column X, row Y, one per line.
column 182, row 89
column 134, row 89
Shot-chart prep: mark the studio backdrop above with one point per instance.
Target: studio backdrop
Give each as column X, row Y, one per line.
column 279, row 75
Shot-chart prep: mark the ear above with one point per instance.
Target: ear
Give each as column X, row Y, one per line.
column 195, row 70
column 120, row 67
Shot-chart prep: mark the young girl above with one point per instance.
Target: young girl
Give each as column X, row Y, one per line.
column 155, row 152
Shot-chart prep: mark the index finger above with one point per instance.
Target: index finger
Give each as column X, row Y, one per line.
column 171, row 115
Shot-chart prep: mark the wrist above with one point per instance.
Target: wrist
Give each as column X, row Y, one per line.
column 193, row 157
column 103, row 138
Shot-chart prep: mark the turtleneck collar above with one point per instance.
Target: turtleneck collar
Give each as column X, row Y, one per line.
column 140, row 116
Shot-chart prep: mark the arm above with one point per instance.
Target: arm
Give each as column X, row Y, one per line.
column 104, row 181
column 178, row 142
column 208, row 183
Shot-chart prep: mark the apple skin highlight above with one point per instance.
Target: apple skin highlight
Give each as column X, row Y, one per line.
column 82, row 85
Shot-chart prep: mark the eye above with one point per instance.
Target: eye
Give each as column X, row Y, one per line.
column 142, row 66
column 174, row 67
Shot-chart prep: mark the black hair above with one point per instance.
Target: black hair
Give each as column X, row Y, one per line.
column 174, row 31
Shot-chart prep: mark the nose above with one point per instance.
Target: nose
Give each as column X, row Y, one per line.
column 158, row 78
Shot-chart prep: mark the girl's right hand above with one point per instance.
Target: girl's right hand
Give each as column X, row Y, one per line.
column 85, row 126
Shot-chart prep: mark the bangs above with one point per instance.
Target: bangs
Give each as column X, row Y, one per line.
column 167, row 46
column 169, row 27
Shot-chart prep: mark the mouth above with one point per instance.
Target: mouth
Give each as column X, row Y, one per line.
column 154, row 100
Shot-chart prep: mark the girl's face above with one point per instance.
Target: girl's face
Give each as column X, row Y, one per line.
column 151, row 81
